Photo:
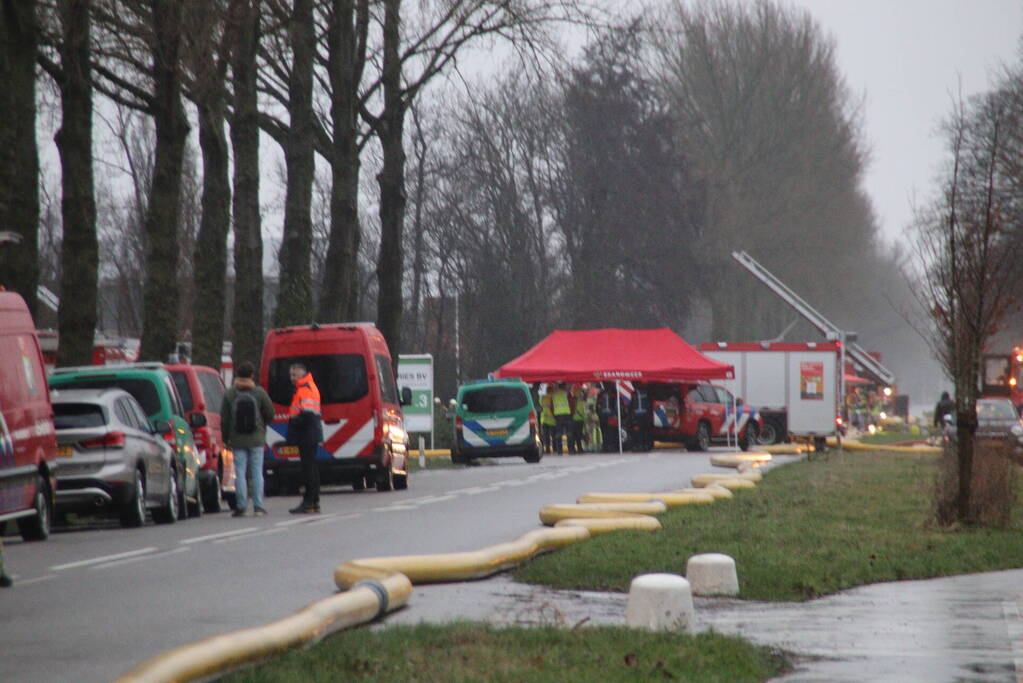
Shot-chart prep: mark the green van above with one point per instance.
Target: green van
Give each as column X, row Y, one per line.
column 495, row 418
column 153, row 387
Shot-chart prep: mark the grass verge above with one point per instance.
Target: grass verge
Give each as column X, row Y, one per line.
column 808, row 529
column 473, row 652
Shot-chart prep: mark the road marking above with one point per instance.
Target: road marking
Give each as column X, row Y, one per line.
column 429, row 499
column 1014, row 625
column 395, row 508
column 513, row 482
column 118, row 563
column 37, row 579
column 306, row 519
column 101, row 560
column 213, row 537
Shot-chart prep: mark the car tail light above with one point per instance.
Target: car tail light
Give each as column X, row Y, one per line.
column 378, row 429
column 202, row 437
column 108, row 440
column 839, row 421
column 458, row 422
column 168, row 436
column 532, row 420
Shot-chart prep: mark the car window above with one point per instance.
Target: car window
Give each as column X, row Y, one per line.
column 124, row 416
column 707, row 394
column 184, row 390
column 212, row 390
column 77, row 415
column 724, row 396
column 694, row 395
column 143, row 390
column 996, row 410
column 388, row 389
column 340, row 377
column 176, row 406
column 140, row 415
column 494, row 399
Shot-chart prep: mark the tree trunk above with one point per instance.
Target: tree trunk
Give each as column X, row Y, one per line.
column 339, row 298
column 211, row 243
column 159, row 315
column 19, row 156
column 76, row 320
column 295, row 297
column 247, row 318
column 390, row 263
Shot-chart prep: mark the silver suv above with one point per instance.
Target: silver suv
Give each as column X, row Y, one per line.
column 111, row 457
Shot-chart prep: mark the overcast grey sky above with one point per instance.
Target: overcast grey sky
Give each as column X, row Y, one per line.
column 907, row 58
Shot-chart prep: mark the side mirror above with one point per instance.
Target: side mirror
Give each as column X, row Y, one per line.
column 196, row 420
column 161, row 427
column 406, row 396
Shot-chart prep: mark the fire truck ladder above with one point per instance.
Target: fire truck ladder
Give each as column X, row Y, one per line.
column 831, row 331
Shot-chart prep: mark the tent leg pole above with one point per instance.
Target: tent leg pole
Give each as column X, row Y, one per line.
column 618, row 402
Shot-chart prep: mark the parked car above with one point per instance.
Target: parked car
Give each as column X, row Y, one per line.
column 495, row 418
column 112, row 457
column 201, row 391
column 364, row 437
column 153, row 388
column 28, row 448
column 997, row 420
column 699, row 414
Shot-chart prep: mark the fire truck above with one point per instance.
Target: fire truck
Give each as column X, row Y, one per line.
column 1001, row 375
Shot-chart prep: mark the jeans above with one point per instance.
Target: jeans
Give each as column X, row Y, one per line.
column 248, row 460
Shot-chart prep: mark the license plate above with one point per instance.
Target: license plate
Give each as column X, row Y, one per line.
column 497, row 432
column 287, row 452
column 65, row 451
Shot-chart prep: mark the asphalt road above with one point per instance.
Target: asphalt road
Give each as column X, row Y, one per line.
column 89, row 605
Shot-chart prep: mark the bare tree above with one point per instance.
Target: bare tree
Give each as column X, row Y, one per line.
column 970, row 253
column 19, row 156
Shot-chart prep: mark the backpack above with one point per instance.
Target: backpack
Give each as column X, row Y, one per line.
column 245, row 411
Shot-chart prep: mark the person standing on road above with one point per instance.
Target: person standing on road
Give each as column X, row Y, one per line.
column 561, row 406
column 547, row 421
column 245, row 412
column 945, row 406
column 305, row 430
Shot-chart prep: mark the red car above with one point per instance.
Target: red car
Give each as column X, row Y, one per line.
column 701, row 414
column 201, row 391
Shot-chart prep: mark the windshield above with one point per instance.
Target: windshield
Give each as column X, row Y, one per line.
column 494, row 400
column 184, row 391
column 143, row 390
column 77, row 415
column 341, row 378
column 995, row 410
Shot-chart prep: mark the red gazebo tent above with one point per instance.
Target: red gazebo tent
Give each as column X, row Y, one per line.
column 657, row 355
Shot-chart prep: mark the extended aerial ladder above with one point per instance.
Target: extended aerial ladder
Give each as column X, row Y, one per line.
column 831, row 331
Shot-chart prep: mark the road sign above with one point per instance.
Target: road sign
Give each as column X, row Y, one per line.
column 415, row 371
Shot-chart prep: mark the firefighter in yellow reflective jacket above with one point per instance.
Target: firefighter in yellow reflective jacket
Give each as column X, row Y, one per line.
column 547, row 421
column 578, row 418
column 561, row 406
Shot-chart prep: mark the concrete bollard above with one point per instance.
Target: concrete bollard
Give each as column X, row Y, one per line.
column 660, row 602
column 712, row 574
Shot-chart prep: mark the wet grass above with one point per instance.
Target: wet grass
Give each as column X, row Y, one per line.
column 473, row 652
column 808, row 529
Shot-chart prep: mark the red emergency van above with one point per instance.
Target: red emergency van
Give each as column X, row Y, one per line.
column 364, row 437
column 28, row 445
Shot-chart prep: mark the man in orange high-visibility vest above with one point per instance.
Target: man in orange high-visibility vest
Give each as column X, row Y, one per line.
column 305, row 430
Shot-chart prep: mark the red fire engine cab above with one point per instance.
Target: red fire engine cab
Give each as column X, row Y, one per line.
column 1001, row 375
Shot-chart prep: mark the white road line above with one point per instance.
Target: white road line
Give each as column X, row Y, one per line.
column 118, row 563
column 224, row 534
column 37, row 579
column 306, row 519
column 513, row 482
column 101, row 560
column 480, row 489
column 1014, row 625
column 395, row 508
column 430, row 499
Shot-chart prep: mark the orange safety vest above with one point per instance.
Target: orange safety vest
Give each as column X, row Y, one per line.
column 307, row 396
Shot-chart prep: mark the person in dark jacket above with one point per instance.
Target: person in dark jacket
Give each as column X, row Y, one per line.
column 247, row 442
column 945, row 406
column 305, row 430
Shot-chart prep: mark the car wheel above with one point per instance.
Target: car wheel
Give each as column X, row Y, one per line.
column 211, row 495
column 385, row 479
column 769, row 434
column 701, row 441
column 457, row 457
column 401, row 482
column 133, row 514
column 169, row 511
column 359, row 484
column 182, row 500
column 533, row 456
column 749, row 436
column 37, row 527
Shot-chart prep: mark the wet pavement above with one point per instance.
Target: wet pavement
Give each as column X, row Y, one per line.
column 960, row 628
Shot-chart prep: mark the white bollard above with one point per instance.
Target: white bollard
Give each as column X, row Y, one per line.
column 712, row 574
column 660, row 602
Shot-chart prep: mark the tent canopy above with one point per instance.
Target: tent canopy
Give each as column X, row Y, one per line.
column 657, row 355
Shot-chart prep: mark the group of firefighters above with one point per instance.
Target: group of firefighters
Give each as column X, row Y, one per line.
column 865, row 408
column 584, row 417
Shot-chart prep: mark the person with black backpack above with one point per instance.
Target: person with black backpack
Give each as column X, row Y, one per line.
column 244, row 415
